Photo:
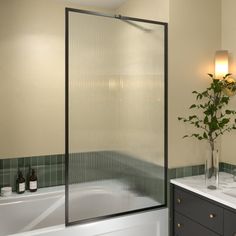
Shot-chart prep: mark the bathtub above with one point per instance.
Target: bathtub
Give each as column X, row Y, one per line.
column 42, row 213
column 27, row 212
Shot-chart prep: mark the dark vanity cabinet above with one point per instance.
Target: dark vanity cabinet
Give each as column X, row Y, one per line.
column 229, row 223
column 195, row 215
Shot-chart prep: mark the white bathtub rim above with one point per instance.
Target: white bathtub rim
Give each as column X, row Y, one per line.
column 107, row 185
column 56, row 190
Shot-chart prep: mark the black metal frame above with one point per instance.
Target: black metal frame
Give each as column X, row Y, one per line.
column 125, row 18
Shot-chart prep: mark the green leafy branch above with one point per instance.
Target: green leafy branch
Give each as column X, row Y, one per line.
column 215, row 120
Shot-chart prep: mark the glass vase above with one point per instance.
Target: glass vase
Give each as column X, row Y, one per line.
column 212, row 167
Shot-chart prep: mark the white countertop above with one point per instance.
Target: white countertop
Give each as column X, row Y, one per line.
column 197, row 185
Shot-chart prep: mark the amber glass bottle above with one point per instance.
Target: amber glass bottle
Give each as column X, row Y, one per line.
column 20, row 183
column 33, row 182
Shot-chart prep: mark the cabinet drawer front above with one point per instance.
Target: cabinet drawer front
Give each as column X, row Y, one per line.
column 186, row 227
column 229, row 223
column 200, row 210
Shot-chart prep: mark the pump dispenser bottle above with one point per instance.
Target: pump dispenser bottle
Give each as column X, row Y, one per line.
column 20, row 183
column 33, row 182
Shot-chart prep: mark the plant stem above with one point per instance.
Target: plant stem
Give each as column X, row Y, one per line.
column 211, row 169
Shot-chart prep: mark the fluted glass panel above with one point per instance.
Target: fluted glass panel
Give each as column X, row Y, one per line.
column 116, row 116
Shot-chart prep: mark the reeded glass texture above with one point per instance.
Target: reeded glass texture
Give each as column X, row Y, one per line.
column 116, row 116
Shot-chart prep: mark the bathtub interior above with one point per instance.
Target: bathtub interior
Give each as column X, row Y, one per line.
column 104, row 197
column 138, row 183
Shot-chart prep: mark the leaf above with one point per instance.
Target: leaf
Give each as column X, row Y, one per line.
column 217, row 88
column 210, row 110
column 211, row 75
column 225, row 100
column 193, row 106
column 227, row 75
column 205, row 135
column 202, row 106
column 185, row 136
column 213, row 125
column 192, row 117
column 206, row 121
column 199, row 96
column 228, row 112
column 225, row 121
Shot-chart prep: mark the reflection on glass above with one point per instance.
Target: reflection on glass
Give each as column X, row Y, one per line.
column 116, row 116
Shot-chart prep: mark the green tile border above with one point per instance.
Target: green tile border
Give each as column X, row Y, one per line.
column 94, row 166
column 186, row 171
column 49, row 170
column 226, row 167
column 141, row 176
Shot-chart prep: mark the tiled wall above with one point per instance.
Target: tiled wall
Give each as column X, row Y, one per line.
column 140, row 176
column 228, row 168
column 186, row 171
column 197, row 170
column 49, row 170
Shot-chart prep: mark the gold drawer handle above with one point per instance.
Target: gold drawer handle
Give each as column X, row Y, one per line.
column 211, row 216
column 179, row 225
column 178, row 200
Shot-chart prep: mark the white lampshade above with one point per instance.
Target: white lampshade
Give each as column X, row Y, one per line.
column 221, row 64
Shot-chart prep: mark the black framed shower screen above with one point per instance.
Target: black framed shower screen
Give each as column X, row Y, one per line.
column 115, row 115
